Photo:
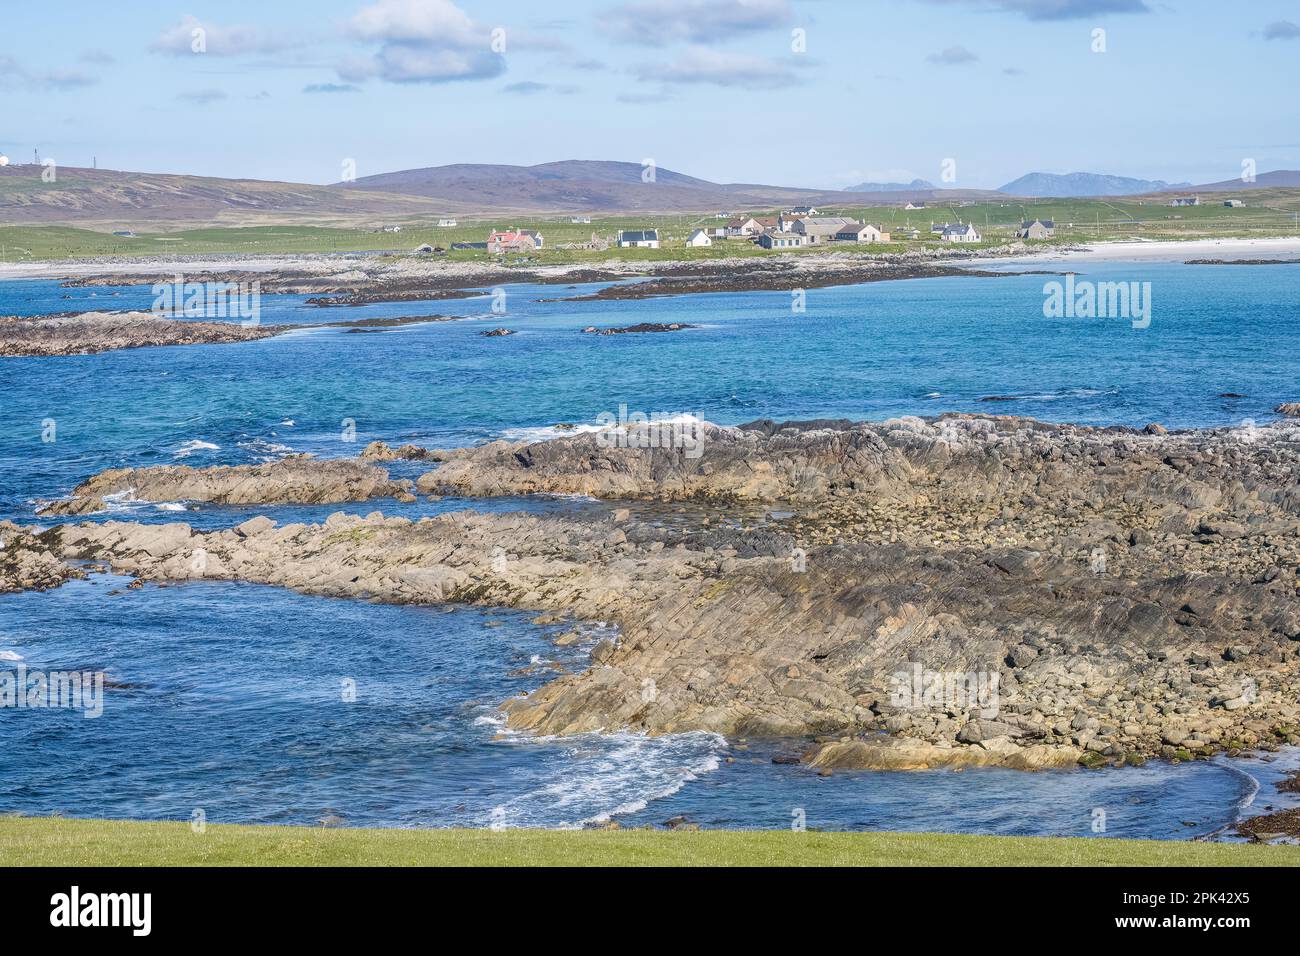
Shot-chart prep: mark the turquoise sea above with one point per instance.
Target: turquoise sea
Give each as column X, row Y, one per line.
column 228, row 695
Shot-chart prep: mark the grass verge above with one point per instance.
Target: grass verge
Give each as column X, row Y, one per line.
column 49, row 841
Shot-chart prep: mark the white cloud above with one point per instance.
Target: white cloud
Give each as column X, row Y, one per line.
column 1056, row 9
column 953, row 56
column 191, row 34
column 660, row 22
column 14, row 75
column 719, row 68
column 1281, row 30
column 421, row 41
column 202, row 97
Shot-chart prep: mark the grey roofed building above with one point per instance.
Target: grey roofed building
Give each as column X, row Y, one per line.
column 643, row 235
column 1037, row 229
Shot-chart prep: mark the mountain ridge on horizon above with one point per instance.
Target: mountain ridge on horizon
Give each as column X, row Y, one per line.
column 566, row 187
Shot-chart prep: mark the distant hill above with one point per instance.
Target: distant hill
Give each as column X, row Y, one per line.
column 606, row 187
column 916, row 185
column 1278, row 179
column 133, row 200
column 1065, row 185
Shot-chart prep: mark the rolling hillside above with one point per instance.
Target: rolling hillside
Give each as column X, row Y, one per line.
column 589, row 186
column 126, row 200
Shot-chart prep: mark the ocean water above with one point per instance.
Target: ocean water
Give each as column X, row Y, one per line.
column 229, row 700
column 220, row 711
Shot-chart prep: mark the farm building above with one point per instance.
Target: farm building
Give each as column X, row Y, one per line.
column 1233, row 203
column 819, row 229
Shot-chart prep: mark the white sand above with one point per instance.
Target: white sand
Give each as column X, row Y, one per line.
column 1140, row 250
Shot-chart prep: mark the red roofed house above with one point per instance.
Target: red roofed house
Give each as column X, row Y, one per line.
column 515, row 241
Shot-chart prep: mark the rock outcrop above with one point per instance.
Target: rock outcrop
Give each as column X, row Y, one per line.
column 298, row 479
column 91, row 332
column 27, row 562
column 730, row 635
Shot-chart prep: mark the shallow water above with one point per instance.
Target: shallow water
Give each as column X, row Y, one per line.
column 233, row 704
column 234, row 701
column 871, row 351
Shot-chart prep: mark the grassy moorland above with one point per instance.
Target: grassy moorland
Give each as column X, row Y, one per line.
column 59, row 842
column 1268, row 212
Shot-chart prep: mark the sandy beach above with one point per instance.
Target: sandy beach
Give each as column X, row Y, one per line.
column 1120, row 251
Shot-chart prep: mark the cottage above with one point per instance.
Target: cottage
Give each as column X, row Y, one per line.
column 819, row 229
column 1186, row 201
column 776, row 239
column 580, row 220
column 860, row 232
column 1038, row 229
column 961, row 233
column 743, row 226
column 446, row 223
column 915, row 205
column 513, row 241
column 698, row 240
column 1233, row 203
column 804, row 210
column 641, row 239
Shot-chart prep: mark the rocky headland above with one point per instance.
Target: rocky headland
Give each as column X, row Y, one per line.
column 1122, row 594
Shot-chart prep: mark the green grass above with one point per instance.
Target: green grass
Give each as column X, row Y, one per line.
column 49, row 841
column 1267, row 213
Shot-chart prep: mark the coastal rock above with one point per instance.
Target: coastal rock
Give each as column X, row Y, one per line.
column 89, row 332
column 27, row 562
column 296, row 479
column 1290, row 409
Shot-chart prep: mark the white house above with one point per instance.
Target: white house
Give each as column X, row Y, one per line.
column 698, row 239
column 642, row 239
column 744, row 226
column 961, row 233
column 860, row 232
column 580, row 220
column 1186, row 201
column 915, row 205
column 446, row 223
column 782, row 240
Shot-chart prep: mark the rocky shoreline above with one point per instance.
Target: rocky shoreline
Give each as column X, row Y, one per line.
column 333, row 281
column 87, row 333
column 1125, row 595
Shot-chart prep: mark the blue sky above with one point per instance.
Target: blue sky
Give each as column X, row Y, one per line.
column 883, row 89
